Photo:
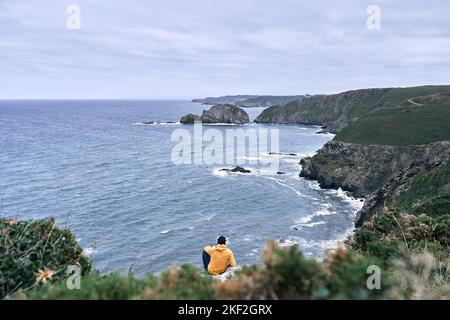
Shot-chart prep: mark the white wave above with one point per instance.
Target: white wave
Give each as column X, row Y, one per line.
column 207, row 218
column 165, row 231
column 278, row 181
column 309, row 225
column 355, row 203
column 218, row 172
column 318, row 213
column 88, row 252
column 323, row 246
column 221, row 124
column 313, row 184
column 287, row 242
column 248, row 237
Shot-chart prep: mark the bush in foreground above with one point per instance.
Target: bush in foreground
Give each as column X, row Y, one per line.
column 285, row 273
column 34, row 253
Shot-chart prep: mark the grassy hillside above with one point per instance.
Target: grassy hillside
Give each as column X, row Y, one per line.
column 417, row 120
column 337, row 111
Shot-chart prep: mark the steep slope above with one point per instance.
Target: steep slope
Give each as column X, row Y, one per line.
column 394, row 157
column 335, row 112
column 379, row 173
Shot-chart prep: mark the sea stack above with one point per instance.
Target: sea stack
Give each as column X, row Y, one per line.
column 221, row 113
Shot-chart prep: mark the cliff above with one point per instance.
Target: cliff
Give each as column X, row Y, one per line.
column 249, row 101
column 382, row 174
column 337, row 111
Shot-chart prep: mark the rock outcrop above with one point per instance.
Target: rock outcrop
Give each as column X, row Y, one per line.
column 376, row 172
column 221, row 113
column 236, row 170
column 190, row 118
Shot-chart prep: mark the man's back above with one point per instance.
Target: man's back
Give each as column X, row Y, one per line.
column 221, row 257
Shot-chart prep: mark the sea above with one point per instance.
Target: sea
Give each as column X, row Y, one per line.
column 105, row 170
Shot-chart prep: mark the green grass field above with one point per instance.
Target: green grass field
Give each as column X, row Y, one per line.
column 414, row 121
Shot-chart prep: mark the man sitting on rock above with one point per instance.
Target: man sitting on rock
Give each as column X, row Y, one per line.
column 216, row 259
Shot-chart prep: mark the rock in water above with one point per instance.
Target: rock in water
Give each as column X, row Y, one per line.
column 190, row 118
column 236, row 169
column 225, row 113
column 221, row 113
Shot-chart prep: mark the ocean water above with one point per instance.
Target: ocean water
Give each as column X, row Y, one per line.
column 100, row 171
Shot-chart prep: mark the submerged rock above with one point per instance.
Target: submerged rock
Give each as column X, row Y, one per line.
column 282, row 154
column 236, row 169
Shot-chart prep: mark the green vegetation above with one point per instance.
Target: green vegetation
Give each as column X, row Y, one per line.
column 416, row 121
column 185, row 282
column 337, row 111
column 428, row 194
column 415, row 247
column 285, row 273
column 391, row 234
column 33, row 253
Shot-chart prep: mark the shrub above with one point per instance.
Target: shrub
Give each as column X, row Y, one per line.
column 348, row 274
column 287, row 274
column 113, row 286
column 388, row 234
column 34, row 253
column 284, row 274
column 185, row 282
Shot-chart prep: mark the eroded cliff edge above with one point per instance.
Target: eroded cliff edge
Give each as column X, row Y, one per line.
column 380, row 173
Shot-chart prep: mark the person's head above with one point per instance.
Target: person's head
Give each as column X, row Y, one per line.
column 221, row 240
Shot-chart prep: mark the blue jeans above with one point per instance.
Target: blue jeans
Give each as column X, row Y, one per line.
column 206, row 259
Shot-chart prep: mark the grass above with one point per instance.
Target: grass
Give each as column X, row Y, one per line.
column 337, row 111
column 406, row 124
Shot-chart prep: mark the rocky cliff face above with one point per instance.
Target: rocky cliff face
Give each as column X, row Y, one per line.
column 222, row 113
column 333, row 112
column 225, row 113
column 378, row 173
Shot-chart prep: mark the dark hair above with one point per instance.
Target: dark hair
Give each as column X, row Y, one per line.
column 221, row 240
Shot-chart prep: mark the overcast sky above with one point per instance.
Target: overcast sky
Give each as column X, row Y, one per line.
column 197, row 48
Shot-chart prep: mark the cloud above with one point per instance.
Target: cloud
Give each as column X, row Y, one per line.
column 184, row 49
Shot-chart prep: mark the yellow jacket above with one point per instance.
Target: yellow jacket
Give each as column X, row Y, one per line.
column 221, row 257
